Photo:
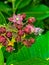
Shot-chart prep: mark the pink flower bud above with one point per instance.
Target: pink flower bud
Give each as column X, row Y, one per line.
column 29, row 29
column 9, row 49
column 23, row 15
column 26, row 43
column 5, row 44
column 18, row 26
column 9, row 34
column 32, row 40
column 2, row 30
column 18, row 39
column 2, row 39
column 20, row 32
column 31, row 20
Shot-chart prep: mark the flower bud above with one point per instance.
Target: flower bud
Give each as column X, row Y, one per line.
column 9, row 34
column 18, row 39
column 9, row 49
column 23, row 15
column 18, row 26
column 26, row 43
column 27, row 30
column 31, row 20
column 2, row 30
column 20, row 32
column 2, row 39
column 32, row 40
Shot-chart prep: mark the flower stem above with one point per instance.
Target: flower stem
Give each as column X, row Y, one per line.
column 13, row 2
column 17, row 5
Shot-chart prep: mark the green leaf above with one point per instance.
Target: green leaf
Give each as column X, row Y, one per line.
column 33, row 61
column 39, row 24
column 36, row 2
column 20, row 4
column 5, row 8
column 2, row 19
column 5, row 53
column 40, row 12
column 40, row 49
column 1, row 58
column 23, row 3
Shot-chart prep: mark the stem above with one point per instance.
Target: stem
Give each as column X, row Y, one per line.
column 18, row 5
column 15, row 31
column 13, row 2
column 10, row 29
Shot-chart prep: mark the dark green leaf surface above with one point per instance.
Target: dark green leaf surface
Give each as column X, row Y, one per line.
column 40, row 12
column 2, row 19
column 5, row 8
column 22, row 3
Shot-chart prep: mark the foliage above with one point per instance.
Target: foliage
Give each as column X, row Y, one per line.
column 38, row 50
column 33, row 8
column 33, row 61
column 40, row 11
column 1, row 58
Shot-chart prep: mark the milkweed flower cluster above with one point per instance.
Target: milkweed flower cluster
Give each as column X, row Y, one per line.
column 23, row 29
column 4, row 36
